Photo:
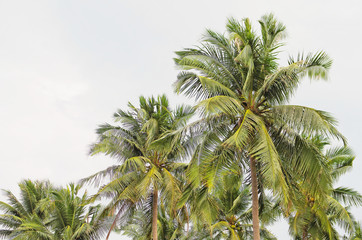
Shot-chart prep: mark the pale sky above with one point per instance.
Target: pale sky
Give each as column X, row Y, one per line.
column 66, row 66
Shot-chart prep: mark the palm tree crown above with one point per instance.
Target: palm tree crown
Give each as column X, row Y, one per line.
column 150, row 156
column 47, row 213
column 21, row 214
column 316, row 216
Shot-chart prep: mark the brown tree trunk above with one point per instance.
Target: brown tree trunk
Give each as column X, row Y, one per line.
column 114, row 223
column 255, row 206
column 305, row 234
column 154, row 213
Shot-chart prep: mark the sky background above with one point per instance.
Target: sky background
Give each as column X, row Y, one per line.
column 66, row 66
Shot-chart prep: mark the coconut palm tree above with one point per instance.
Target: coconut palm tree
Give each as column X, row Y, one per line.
column 46, row 213
column 224, row 211
column 19, row 215
column 316, row 216
column 73, row 218
column 240, row 87
column 149, row 155
column 234, row 217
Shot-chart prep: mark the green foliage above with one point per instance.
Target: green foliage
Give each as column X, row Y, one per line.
column 20, row 217
column 47, row 213
column 150, row 149
column 189, row 181
column 236, row 77
column 316, row 214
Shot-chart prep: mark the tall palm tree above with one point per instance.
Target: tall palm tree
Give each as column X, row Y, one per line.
column 149, row 155
column 242, row 88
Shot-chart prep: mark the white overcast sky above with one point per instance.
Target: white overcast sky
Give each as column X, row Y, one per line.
column 66, row 66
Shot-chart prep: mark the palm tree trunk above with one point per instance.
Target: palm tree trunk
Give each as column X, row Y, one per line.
column 305, row 234
column 114, row 223
column 154, row 213
column 255, row 206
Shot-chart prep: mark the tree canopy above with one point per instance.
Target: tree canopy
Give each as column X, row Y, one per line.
column 229, row 167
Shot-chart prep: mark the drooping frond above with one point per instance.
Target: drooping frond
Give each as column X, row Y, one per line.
column 245, row 130
column 266, row 153
column 306, row 120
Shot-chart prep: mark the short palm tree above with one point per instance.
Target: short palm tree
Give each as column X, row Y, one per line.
column 46, row 213
column 234, row 217
column 73, row 218
column 242, row 88
column 19, row 215
column 149, row 155
column 224, row 211
column 316, row 216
